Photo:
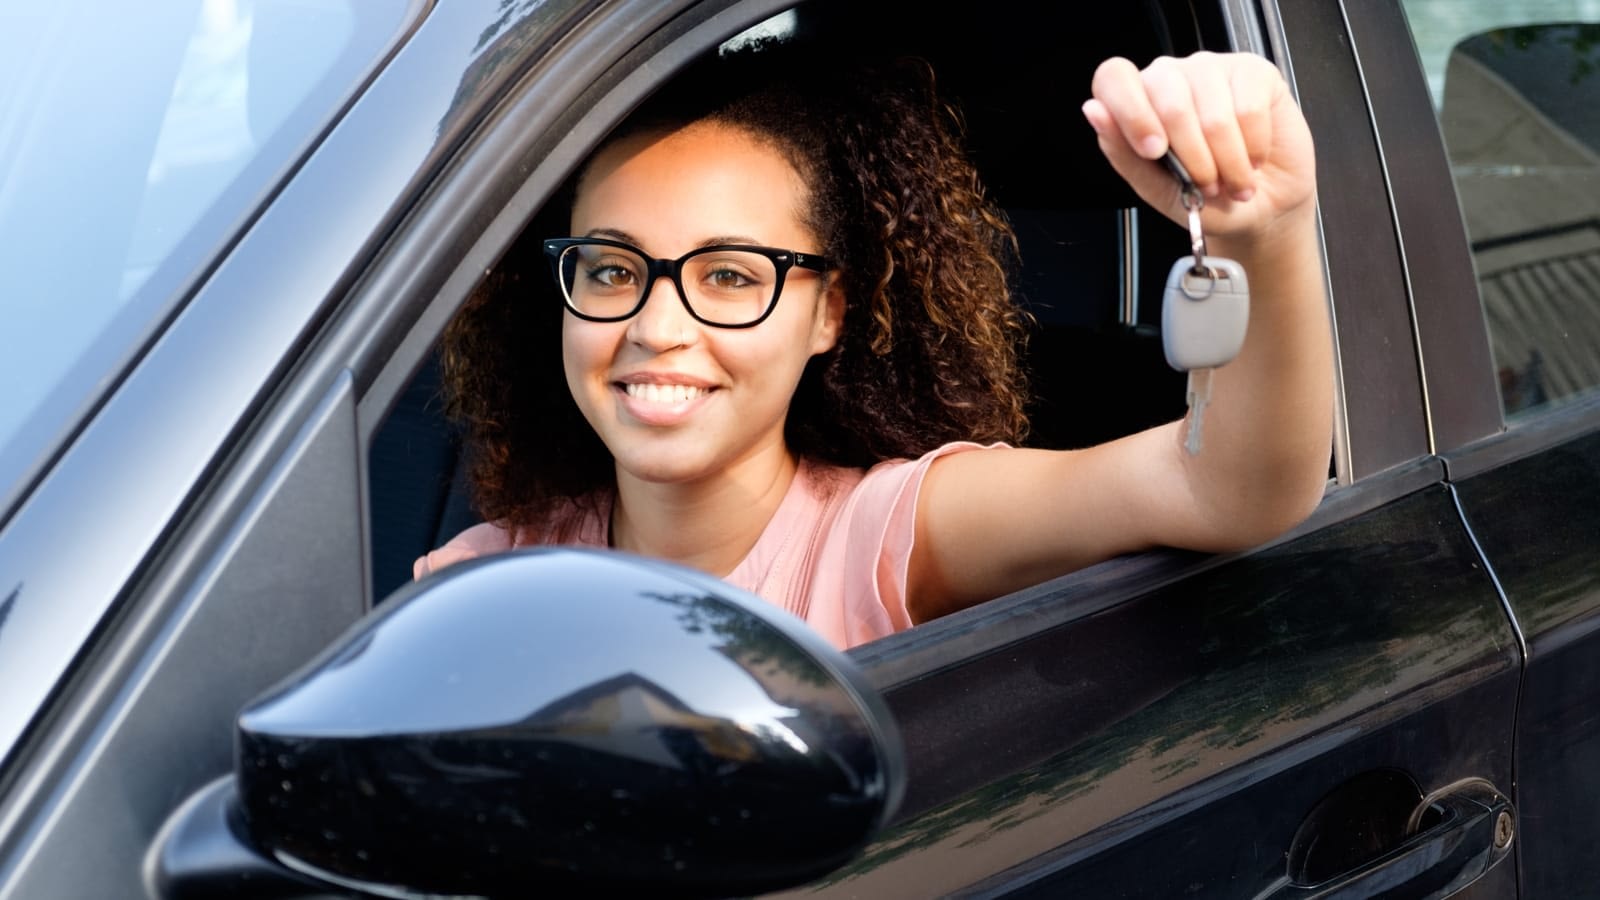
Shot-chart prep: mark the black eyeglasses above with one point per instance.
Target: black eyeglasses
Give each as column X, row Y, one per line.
column 728, row 286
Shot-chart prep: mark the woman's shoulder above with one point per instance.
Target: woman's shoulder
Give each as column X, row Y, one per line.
column 914, row 467
column 874, row 498
column 479, row 540
column 828, row 475
column 835, row 487
column 856, row 583
column 569, row 522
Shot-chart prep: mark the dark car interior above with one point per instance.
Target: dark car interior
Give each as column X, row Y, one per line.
column 1092, row 266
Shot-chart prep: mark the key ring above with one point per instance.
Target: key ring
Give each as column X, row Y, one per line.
column 1194, row 201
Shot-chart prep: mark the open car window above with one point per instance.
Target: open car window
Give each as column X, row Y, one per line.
column 1093, row 259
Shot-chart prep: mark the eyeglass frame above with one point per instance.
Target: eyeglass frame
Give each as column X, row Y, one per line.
column 672, row 269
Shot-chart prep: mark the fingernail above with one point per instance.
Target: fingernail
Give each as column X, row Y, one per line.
column 1152, row 147
column 1090, row 119
column 1244, row 195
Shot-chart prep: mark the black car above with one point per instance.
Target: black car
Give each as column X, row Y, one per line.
column 231, row 232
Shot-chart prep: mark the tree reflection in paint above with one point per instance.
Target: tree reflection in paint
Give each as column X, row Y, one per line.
column 1274, row 648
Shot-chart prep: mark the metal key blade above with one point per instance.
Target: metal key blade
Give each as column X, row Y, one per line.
column 1199, row 397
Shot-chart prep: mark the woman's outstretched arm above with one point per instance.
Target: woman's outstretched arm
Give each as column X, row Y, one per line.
column 989, row 523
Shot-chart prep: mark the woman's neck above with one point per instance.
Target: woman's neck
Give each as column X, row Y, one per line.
column 710, row 524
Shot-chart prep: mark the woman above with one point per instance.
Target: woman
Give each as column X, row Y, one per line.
column 787, row 353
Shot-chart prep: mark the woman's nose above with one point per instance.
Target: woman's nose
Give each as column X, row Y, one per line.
column 663, row 323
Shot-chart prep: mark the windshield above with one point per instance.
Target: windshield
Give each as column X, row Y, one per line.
column 136, row 139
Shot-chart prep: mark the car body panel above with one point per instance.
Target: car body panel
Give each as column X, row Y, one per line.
column 1155, row 726
column 1203, row 719
column 1538, row 520
column 1506, row 98
column 210, row 648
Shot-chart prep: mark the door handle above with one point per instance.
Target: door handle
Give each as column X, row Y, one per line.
column 1456, row 834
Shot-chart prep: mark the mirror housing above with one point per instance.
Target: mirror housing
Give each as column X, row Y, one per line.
column 570, row 719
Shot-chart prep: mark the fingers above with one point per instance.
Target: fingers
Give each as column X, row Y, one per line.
column 1212, row 110
column 1167, row 84
column 1117, row 85
column 1254, row 90
column 1151, row 182
column 1217, row 122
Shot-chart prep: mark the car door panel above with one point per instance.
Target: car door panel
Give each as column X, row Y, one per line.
column 1513, row 100
column 1072, row 739
column 1073, row 756
column 1201, row 720
column 1538, row 520
column 224, row 622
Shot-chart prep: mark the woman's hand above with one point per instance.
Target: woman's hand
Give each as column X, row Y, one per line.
column 1232, row 123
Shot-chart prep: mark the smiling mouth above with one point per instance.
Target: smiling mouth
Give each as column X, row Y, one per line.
column 665, row 394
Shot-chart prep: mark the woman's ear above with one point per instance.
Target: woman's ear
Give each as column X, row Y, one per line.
column 830, row 316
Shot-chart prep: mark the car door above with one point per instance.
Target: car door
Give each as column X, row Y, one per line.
column 1513, row 92
column 1247, row 726
column 1263, row 723
column 1234, row 717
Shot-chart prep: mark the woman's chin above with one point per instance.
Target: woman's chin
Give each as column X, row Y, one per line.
column 667, row 469
column 679, row 464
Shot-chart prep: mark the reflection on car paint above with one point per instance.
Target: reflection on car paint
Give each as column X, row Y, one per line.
column 1537, row 519
column 1257, row 663
column 6, row 604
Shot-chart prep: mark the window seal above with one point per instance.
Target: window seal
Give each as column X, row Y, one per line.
column 1544, row 429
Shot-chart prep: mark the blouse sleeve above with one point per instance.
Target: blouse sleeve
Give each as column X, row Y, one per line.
column 872, row 540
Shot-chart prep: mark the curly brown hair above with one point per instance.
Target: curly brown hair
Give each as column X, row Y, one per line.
column 929, row 351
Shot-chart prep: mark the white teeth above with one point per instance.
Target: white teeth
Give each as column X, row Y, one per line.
column 664, row 393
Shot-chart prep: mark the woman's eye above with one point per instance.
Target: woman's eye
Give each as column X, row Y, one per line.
column 612, row 275
column 727, row 279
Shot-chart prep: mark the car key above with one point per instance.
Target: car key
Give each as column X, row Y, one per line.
column 1204, row 309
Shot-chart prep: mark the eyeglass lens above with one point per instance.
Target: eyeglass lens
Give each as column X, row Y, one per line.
column 729, row 287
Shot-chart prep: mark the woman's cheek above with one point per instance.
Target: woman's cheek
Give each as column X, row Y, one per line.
column 584, row 365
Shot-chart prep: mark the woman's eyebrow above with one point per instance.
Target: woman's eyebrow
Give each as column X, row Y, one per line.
column 617, row 234
column 728, row 239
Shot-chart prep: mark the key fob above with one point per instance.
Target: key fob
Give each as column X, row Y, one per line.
column 1204, row 314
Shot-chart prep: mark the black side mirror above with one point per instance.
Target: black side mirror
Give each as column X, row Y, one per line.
column 563, row 720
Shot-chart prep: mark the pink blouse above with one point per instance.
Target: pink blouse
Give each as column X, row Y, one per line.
column 835, row 552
